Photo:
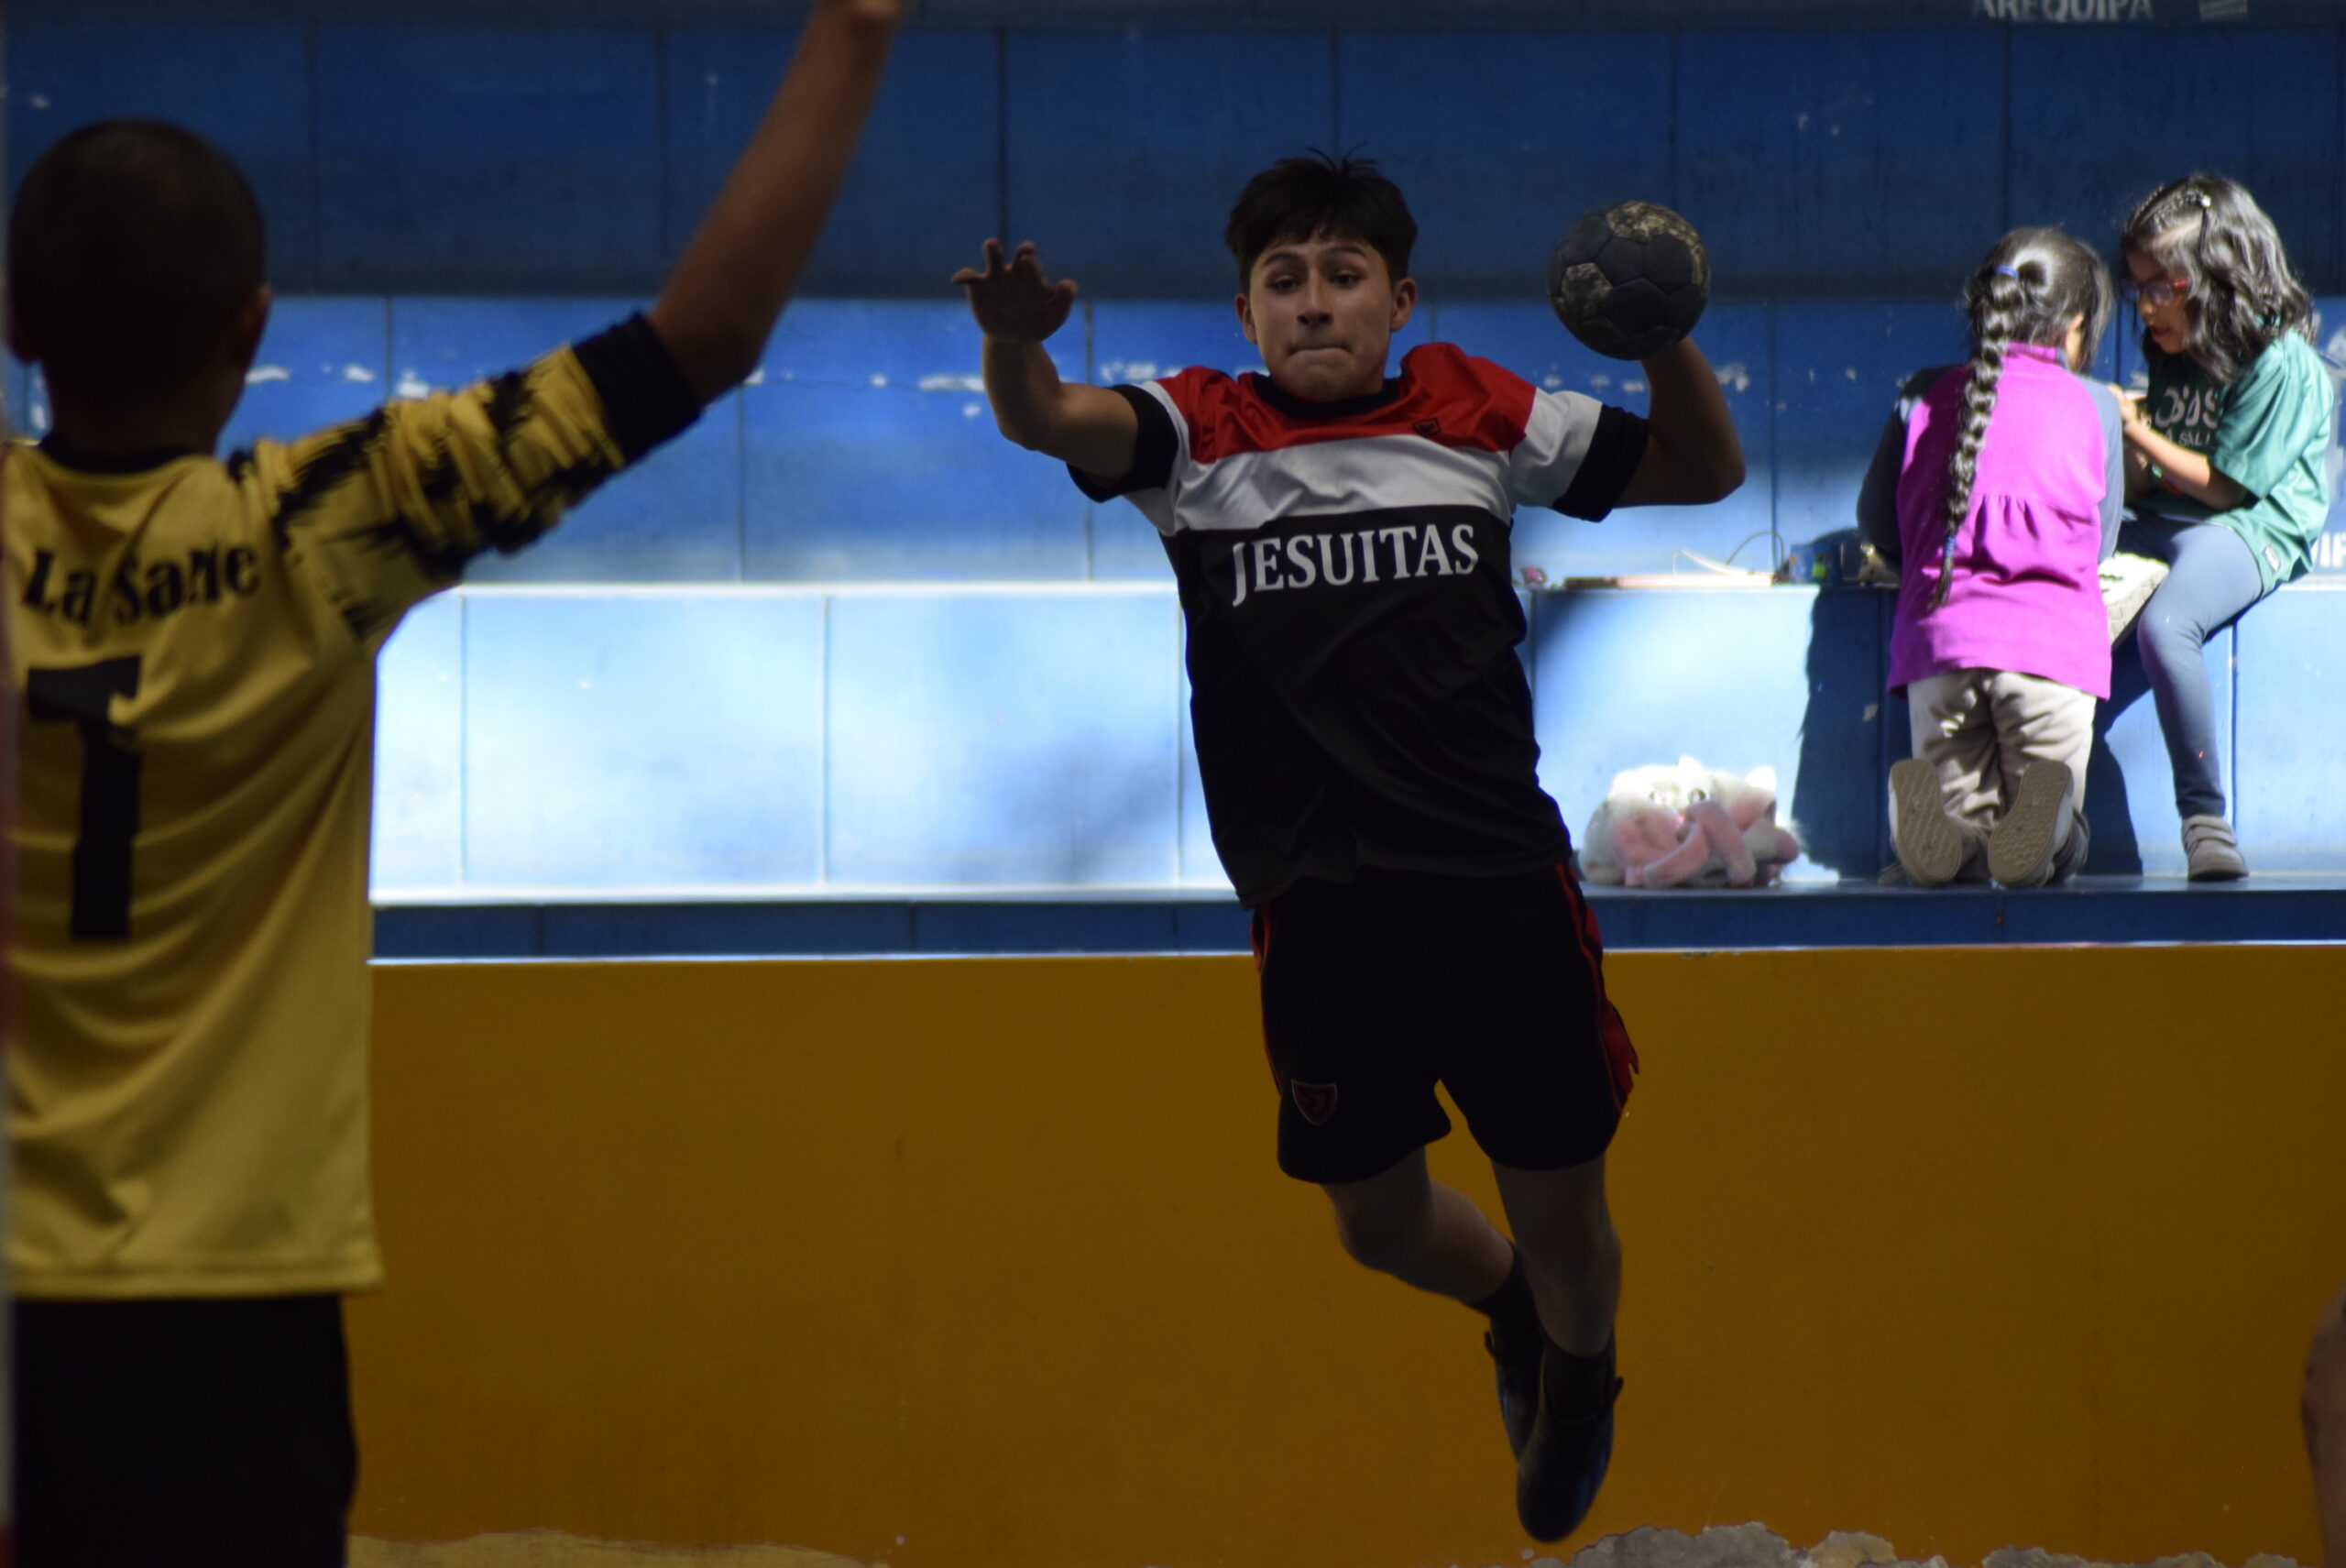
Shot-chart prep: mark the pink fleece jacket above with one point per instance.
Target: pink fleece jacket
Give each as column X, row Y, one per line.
column 2027, row 593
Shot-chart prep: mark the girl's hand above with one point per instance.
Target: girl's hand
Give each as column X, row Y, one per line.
column 1012, row 299
column 2130, row 406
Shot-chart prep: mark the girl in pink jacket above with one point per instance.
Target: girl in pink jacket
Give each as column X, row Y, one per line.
column 2010, row 480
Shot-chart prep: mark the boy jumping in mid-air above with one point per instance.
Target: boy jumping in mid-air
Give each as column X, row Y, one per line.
column 195, row 642
column 1364, row 734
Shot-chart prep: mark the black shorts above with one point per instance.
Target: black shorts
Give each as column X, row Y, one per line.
column 1374, row 990
column 184, row 1433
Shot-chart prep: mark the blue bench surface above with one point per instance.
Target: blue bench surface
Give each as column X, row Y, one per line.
column 2098, row 910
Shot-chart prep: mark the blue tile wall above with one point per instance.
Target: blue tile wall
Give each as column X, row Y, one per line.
column 488, row 160
column 2101, row 118
column 1500, row 139
column 916, row 202
column 2292, row 709
column 1002, row 739
column 2330, row 334
column 245, row 88
column 1528, row 340
column 644, row 740
column 1625, row 679
column 870, row 455
column 1201, row 865
column 676, row 517
column 420, row 752
column 1126, row 149
column 1821, row 162
column 1854, row 162
column 27, row 409
column 626, row 743
column 323, row 360
column 1837, row 371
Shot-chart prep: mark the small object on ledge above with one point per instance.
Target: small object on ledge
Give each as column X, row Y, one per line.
column 1685, row 825
column 1713, row 574
column 2127, row 583
column 1671, row 580
column 1836, row 560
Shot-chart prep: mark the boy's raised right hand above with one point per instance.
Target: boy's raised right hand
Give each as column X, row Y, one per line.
column 1012, row 299
column 1016, row 308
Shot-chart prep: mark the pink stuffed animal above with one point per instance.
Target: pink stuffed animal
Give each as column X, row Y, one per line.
column 1684, row 826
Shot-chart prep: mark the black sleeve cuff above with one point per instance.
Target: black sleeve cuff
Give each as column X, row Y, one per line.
column 645, row 398
column 1153, row 453
column 1614, row 449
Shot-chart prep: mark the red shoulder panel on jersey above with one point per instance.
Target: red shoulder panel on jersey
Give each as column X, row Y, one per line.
column 1448, row 396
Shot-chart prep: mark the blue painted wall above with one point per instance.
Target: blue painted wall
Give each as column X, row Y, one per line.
column 1824, row 163
column 790, row 741
column 850, row 640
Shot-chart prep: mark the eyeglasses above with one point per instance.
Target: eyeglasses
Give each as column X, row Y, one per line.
column 2159, row 292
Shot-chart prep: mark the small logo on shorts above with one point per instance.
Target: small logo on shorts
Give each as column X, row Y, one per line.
column 1428, row 428
column 1316, row 1101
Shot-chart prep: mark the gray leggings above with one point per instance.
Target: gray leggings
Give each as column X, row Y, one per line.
column 2211, row 578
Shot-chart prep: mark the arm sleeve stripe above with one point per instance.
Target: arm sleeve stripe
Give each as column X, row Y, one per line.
column 1614, row 449
column 1153, row 451
column 645, row 398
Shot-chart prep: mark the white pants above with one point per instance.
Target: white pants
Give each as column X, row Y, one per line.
column 1981, row 730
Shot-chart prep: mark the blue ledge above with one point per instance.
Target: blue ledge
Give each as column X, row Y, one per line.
column 2273, row 908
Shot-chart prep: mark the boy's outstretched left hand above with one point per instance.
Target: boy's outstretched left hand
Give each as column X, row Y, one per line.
column 1012, row 299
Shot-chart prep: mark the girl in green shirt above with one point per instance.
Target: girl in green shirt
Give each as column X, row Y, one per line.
column 2225, row 478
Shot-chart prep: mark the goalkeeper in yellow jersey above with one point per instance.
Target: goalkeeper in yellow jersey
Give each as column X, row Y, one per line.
column 194, row 643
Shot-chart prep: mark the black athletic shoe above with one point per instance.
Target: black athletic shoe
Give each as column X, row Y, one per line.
column 1563, row 1460
column 1517, row 1354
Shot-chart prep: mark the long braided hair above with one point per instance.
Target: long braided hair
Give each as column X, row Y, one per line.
column 2243, row 295
column 2027, row 289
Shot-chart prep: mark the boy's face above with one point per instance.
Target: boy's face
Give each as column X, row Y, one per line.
column 1324, row 311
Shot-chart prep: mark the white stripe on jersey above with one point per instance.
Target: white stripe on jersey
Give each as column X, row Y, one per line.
column 1555, row 440
column 1377, row 473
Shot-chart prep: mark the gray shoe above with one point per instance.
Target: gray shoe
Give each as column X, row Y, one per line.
column 2034, row 828
column 2214, row 853
column 1929, row 842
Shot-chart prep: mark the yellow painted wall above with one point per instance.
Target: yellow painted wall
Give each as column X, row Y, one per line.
column 1963, row 1247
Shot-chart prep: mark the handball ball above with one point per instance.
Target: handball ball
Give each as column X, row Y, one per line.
column 1629, row 279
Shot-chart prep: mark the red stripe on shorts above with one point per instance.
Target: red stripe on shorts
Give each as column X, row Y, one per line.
column 1612, row 1034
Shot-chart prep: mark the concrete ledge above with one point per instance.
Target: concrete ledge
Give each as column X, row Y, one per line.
column 2278, row 908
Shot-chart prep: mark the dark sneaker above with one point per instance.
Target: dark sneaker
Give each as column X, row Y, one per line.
column 1563, row 1461
column 1516, row 1354
column 2021, row 849
column 1930, row 845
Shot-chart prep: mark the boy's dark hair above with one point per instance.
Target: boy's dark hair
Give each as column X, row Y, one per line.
column 1320, row 197
column 133, row 246
column 2243, row 295
column 2026, row 290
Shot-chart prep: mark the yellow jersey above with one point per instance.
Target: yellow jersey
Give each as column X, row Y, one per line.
column 194, row 645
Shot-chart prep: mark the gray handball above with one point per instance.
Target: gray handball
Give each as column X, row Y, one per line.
column 1629, row 279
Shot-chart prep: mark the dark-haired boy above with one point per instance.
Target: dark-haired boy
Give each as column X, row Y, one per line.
column 196, row 644
column 1364, row 735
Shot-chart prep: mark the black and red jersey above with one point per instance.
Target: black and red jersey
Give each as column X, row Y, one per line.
column 1344, row 572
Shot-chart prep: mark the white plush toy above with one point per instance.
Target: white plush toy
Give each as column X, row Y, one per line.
column 1685, row 826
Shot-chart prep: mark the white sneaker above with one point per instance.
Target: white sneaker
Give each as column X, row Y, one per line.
column 1929, row 842
column 2213, row 852
column 2021, row 849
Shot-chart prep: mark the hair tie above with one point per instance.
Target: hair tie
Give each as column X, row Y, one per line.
column 2009, row 271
